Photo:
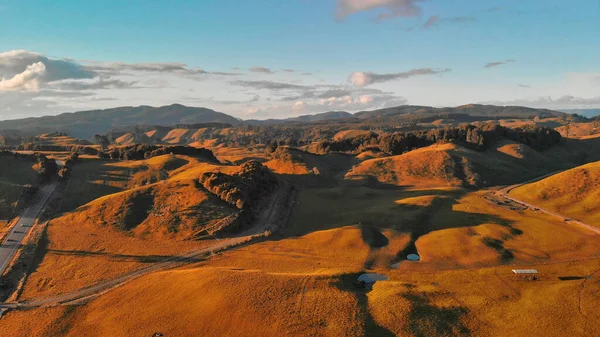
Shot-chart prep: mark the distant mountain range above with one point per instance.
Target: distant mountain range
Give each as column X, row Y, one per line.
column 473, row 110
column 85, row 124
column 583, row 112
column 319, row 117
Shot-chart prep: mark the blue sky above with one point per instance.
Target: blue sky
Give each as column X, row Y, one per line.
column 352, row 55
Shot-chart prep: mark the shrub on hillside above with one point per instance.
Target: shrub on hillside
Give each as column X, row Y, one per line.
column 144, row 151
column 243, row 188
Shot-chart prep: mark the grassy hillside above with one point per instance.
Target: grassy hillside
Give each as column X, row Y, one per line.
column 352, row 214
column 574, row 193
column 476, row 110
column 120, row 216
column 454, row 165
column 85, row 124
column 14, row 173
column 302, row 284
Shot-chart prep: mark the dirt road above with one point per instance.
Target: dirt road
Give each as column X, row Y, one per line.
column 269, row 216
column 505, row 194
column 14, row 239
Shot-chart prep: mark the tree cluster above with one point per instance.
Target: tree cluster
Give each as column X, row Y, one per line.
column 58, row 148
column 241, row 190
column 65, row 172
column 45, row 168
column 478, row 137
column 145, row 151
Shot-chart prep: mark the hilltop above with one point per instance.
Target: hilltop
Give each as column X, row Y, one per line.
column 365, row 193
column 84, row 124
column 467, row 112
column 574, row 193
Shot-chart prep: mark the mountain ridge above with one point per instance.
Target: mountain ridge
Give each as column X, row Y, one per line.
column 84, row 124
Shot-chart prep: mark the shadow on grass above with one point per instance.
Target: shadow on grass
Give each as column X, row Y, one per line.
column 126, row 257
column 90, row 181
column 572, row 278
column 426, row 319
column 370, row 326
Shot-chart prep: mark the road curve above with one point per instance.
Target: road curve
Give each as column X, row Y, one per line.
column 263, row 224
column 13, row 241
column 505, row 193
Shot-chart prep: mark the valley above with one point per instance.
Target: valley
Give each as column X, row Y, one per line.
column 200, row 227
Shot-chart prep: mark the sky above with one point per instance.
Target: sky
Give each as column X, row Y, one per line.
column 258, row 59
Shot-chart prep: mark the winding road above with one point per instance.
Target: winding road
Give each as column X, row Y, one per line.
column 264, row 223
column 505, row 194
column 14, row 240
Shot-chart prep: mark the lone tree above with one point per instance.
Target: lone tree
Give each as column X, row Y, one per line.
column 567, row 129
column 102, row 141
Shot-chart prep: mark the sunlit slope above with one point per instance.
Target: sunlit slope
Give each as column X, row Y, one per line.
column 120, row 232
column 429, row 166
column 143, row 220
column 455, row 165
column 574, row 193
column 94, row 178
column 304, row 286
column 60, row 140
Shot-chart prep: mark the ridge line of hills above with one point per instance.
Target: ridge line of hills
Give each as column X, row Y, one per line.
column 84, row 124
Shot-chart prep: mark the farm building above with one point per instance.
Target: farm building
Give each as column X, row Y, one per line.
column 526, row 274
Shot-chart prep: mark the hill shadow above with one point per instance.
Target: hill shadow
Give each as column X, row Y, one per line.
column 386, row 212
column 441, row 215
column 345, row 283
column 125, row 257
column 91, row 181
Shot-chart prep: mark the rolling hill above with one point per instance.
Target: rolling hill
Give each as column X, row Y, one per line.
column 481, row 112
column 85, row 124
column 575, row 193
column 583, row 112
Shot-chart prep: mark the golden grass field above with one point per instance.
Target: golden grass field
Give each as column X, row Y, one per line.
column 299, row 280
column 574, row 193
column 95, row 241
column 301, row 284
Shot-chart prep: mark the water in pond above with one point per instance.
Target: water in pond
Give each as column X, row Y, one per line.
column 413, row 257
column 409, row 257
column 372, row 277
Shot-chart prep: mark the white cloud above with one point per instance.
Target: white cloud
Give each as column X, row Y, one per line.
column 299, row 107
column 362, row 79
column 28, row 80
column 252, row 111
column 365, row 99
column 21, row 70
column 432, row 21
column 261, row 70
column 498, row 63
column 390, row 8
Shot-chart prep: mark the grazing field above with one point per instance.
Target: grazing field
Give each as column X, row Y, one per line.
column 454, row 165
column 14, row 173
column 304, row 286
column 143, row 212
column 352, row 214
column 95, row 178
column 574, row 193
